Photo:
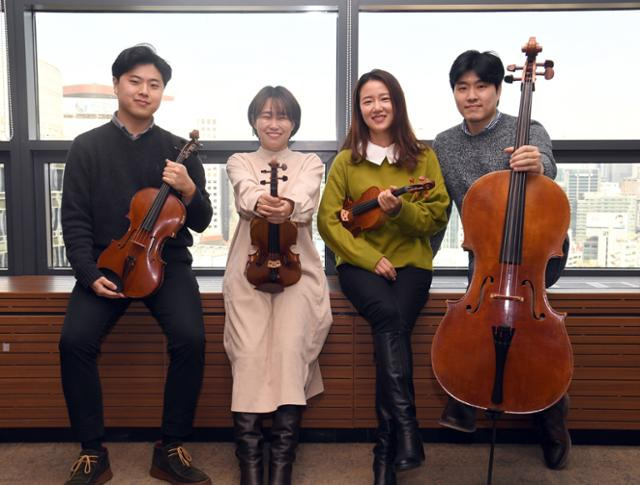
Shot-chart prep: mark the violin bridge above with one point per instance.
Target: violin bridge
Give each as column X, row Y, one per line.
column 496, row 296
column 273, row 263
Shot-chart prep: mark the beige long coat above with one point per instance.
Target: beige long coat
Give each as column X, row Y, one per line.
column 273, row 340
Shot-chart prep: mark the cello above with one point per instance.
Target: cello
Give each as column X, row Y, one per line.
column 273, row 266
column 501, row 347
column 134, row 261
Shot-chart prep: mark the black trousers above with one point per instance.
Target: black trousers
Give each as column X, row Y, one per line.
column 388, row 306
column 177, row 308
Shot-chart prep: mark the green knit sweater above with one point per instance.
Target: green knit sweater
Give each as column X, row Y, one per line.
column 404, row 238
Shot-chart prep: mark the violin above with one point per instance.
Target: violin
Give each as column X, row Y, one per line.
column 134, row 262
column 273, row 266
column 365, row 213
column 501, row 347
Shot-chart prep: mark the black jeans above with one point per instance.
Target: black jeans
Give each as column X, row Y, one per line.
column 388, row 306
column 177, row 308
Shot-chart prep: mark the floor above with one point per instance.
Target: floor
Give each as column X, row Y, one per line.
column 338, row 464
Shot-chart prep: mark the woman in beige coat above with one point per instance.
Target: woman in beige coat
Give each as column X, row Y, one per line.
column 273, row 339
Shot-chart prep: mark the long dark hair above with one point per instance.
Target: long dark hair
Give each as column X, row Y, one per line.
column 408, row 147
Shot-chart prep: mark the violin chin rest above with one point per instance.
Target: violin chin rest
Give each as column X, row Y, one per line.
column 114, row 278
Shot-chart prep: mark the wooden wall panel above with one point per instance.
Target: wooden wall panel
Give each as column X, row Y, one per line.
column 604, row 328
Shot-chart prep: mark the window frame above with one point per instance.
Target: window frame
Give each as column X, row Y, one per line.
column 25, row 156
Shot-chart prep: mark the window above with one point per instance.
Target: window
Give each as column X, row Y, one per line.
column 4, row 255
column 222, row 53
column 605, row 218
column 5, row 120
column 210, row 248
column 605, row 214
column 219, row 61
column 592, row 51
column 580, row 103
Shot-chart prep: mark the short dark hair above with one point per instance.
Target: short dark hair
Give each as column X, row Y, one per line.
column 139, row 55
column 407, row 145
column 283, row 101
column 487, row 66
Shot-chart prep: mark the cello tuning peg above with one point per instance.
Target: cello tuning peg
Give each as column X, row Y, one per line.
column 283, row 166
column 548, row 73
column 545, row 64
column 509, row 79
column 284, row 178
column 513, row 68
column 263, row 182
column 265, row 171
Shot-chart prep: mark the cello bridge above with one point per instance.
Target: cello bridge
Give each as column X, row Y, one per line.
column 496, row 296
column 273, row 263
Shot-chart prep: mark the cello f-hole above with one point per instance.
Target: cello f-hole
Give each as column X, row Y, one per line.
column 532, row 291
column 473, row 309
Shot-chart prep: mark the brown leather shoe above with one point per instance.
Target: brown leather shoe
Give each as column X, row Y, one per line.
column 172, row 463
column 554, row 435
column 91, row 468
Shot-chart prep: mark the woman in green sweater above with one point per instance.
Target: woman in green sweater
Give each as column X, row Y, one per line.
column 386, row 272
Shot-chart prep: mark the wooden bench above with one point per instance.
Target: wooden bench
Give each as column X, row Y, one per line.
column 604, row 327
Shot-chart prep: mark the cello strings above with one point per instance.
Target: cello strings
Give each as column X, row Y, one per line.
column 514, row 225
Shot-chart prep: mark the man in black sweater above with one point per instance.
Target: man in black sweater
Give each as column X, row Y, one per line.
column 105, row 168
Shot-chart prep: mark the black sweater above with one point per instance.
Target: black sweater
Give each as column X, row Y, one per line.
column 104, row 169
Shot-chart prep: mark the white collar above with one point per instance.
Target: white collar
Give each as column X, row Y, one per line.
column 376, row 154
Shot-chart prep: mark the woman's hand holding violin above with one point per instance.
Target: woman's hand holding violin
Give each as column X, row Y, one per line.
column 385, row 269
column 275, row 210
column 389, row 203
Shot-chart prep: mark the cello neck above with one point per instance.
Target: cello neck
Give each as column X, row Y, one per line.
column 511, row 249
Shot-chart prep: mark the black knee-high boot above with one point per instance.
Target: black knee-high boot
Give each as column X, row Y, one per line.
column 394, row 351
column 384, row 452
column 247, row 430
column 285, row 432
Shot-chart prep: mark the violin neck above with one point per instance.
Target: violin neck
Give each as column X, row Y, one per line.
column 274, row 230
column 373, row 203
column 154, row 211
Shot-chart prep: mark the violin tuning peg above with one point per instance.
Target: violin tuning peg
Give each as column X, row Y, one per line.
column 263, row 182
column 283, row 166
column 548, row 63
column 513, row 68
column 284, row 178
column 509, row 79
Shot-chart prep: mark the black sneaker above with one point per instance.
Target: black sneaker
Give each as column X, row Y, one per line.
column 91, row 468
column 172, row 463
